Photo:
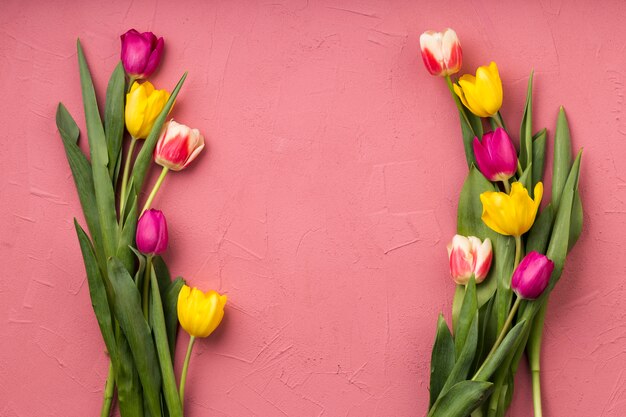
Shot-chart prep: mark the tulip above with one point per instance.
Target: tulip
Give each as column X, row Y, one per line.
column 441, row 52
column 152, row 234
column 178, row 146
column 532, row 276
column 199, row 314
column 141, row 53
column 143, row 106
column 495, row 155
column 511, row 214
column 469, row 256
column 481, row 94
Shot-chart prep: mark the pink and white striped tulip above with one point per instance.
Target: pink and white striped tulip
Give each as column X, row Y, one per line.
column 441, row 52
column 469, row 256
column 178, row 146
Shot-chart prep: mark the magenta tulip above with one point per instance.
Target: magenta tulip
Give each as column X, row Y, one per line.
column 152, row 233
column 495, row 155
column 532, row 275
column 469, row 256
column 141, row 53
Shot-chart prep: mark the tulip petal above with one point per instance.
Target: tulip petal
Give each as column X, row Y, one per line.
column 155, row 58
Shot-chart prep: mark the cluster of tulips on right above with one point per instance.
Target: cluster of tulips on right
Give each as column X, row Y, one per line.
column 507, row 255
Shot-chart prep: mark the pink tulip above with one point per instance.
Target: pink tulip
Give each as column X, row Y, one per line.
column 151, row 234
column 495, row 155
column 441, row 52
column 532, row 275
column 469, row 256
column 178, row 146
column 141, row 53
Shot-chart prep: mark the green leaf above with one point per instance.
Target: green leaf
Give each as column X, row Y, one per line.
column 466, row 317
column 170, row 302
column 129, row 392
column 162, row 274
column 114, row 119
column 525, row 136
column 539, row 155
column 507, row 346
column 462, row 399
column 127, row 310
column 526, row 179
column 144, row 158
column 469, row 223
column 464, row 362
column 562, row 157
column 576, row 221
column 486, row 332
column 97, row 291
column 539, row 234
column 170, row 391
column 127, row 238
column 105, row 197
column 81, row 171
column 441, row 360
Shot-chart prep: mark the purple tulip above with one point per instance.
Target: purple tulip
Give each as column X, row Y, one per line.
column 141, row 53
column 152, row 233
column 532, row 275
column 495, row 155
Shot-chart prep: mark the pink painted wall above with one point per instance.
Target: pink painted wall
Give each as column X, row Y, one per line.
column 323, row 205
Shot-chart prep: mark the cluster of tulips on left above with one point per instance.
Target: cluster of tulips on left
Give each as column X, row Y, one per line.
column 137, row 305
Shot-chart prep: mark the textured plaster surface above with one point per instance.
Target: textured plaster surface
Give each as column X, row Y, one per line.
column 323, row 204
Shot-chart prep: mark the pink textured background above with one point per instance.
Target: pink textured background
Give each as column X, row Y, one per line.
column 323, row 205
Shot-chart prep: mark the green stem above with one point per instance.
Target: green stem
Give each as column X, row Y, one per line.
column 183, row 377
column 507, row 186
column 155, row 189
column 458, row 103
column 519, row 169
column 537, row 393
column 108, row 392
column 518, row 251
column 131, row 81
column 146, row 287
column 505, row 330
column 123, row 197
column 496, row 118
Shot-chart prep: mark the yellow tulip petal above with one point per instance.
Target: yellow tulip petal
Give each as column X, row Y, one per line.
column 496, row 211
column 474, row 98
column 135, row 109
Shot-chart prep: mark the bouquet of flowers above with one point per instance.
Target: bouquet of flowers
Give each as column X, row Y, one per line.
column 137, row 305
column 508, row 255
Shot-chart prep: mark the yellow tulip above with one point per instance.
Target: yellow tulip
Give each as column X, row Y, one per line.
column 481, row 94
column 511, row 214
column 143, row 106
column 200, row 313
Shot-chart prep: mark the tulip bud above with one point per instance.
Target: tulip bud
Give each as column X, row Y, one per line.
column 441, row 52
column 495, row 155
column 200, row 313
column 481, row 94
column 469, row 256
column 152, row 235
column 141, row 53
column 178, row 146
column 143, row 105
column 532, row 275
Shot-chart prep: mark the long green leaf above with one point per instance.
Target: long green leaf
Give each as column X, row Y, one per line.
column 464, row 362
column 83, row 179
column 441, row 360
column 97, row 291
column 576, row 222
column 144, row 158
column 170, row 391
column 462, row 399
column 127, row 309
column 170, row 301
column 129, row 391
column 466, row 318
column 127, row 238
column 539, row 155
column 562, row 156
column 539, row 234
column 507, row 346
column 525, row 136
column 105, row 196
column 114, row 118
